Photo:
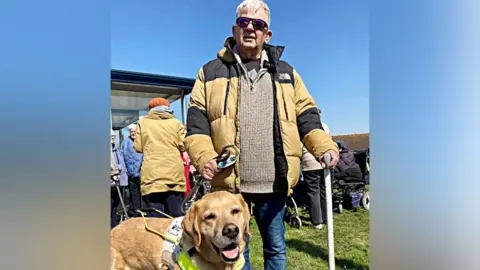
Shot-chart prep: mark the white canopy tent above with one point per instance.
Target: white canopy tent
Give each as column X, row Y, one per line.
column 131, row 92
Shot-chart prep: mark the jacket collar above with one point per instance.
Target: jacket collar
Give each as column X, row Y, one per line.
column 227, row 54
column 159, row 115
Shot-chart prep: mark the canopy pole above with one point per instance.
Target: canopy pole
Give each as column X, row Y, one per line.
column 183, row 107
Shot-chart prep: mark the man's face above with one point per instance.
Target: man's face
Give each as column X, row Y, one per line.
column 251, row 36
column 132, row 133
column 112, row 138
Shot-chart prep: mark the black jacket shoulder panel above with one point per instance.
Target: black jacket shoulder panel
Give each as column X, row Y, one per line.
column 284, row 73
column 215, row 69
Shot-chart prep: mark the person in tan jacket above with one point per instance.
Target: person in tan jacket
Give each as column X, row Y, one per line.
column 250, row 98
column 159, row 137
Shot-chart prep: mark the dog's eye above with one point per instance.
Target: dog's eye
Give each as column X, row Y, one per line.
column 235, row 211
column 211, row 216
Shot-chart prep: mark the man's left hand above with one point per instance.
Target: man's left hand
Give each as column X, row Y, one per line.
column 334, row 158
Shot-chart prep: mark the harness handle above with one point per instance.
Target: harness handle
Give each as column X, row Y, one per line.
column 153, row 210
column 164, row 236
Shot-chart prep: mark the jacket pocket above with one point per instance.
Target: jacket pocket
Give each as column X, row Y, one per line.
column 225, row 105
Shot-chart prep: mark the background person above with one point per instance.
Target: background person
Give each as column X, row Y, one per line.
column 160, row 138
column 189, row 170
column 133, row 162
column 119, row 176
column 347, row 168
column 313, row 175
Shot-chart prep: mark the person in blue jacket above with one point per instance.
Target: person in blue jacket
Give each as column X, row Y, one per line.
column 123, row 180
column 133, row 162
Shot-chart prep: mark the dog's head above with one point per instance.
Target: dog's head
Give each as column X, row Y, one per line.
column 218, row 226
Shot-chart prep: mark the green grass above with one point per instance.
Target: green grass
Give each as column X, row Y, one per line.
column 307, row 248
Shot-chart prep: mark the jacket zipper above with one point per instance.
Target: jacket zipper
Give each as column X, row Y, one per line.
column 237, row 116
column 227, row 91
column 280, row 124
column 226, row 98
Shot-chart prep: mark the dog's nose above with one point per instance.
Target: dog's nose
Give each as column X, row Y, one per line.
column 230, row 231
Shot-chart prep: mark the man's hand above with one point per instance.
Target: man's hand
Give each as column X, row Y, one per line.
column 210, row 169
column 115, row 177
column 333, row 160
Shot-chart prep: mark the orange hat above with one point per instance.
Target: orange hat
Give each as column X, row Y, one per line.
column 158, row 102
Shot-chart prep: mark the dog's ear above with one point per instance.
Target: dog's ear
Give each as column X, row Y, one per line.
column 191, row 226
column 246, row 213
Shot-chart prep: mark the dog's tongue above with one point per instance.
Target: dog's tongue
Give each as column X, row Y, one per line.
column 231, row 254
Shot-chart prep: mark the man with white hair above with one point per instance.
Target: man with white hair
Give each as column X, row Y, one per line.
column 249, row 98
column 133, row 162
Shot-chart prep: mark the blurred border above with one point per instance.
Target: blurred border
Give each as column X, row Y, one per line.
column 424, row 129
column 55, row 73
column 424, row 134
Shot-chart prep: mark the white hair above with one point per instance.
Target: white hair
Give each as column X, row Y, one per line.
column 132, row 126
column 254, row 5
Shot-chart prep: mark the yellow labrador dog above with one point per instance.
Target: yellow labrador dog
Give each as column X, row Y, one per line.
column 215, row 226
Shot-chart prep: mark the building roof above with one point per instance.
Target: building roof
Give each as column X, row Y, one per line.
column 153, row 80
column 131, row 92
column 355, row 141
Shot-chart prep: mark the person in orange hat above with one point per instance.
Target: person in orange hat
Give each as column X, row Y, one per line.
column 159, row 136
column 158, row 102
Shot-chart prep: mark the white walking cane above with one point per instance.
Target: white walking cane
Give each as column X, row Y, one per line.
column 121, row 200
column 328, row 189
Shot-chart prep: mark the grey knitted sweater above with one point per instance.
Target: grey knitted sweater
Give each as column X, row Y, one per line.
column 257, row 168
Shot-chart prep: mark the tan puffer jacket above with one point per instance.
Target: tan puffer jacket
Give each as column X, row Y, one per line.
column 309, row 162
column 160, row 138
column 213, row 119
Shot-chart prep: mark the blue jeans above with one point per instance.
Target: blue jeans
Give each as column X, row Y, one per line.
column 268, row 211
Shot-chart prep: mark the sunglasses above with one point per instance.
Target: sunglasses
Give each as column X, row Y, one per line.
column 257, row 24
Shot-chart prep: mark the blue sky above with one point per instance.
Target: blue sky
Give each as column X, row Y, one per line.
column 325, row 41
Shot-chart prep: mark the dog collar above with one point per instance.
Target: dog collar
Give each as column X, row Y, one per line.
column 173, row 252
column 185, row 260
